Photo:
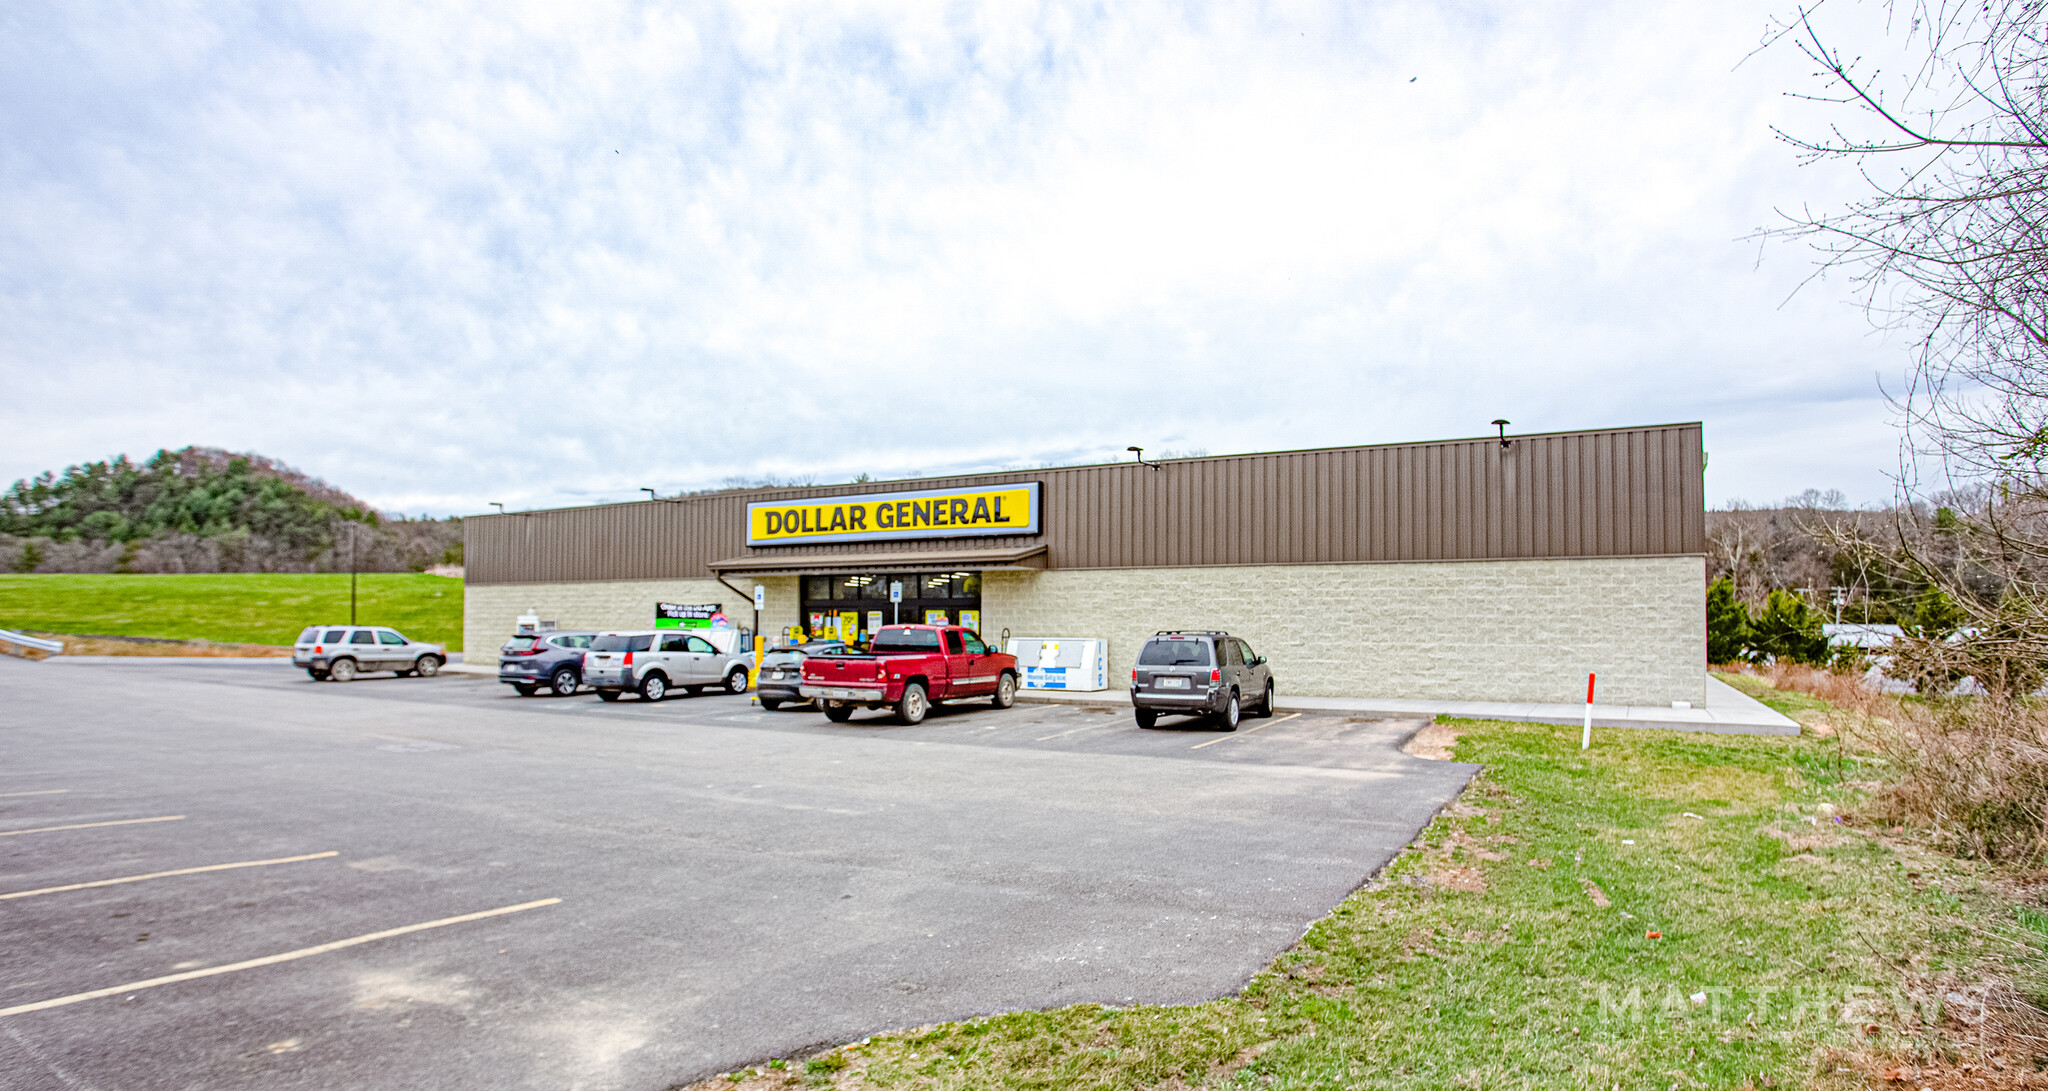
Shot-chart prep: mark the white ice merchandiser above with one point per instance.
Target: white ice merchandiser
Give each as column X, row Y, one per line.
column 1068, row 663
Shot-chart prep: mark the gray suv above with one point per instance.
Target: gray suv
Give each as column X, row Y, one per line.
column 531, row 663
column 1200, row 673
column 653, row 662
column 341, row 652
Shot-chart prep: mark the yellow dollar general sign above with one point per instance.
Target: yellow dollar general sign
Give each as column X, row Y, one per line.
column 937, row 513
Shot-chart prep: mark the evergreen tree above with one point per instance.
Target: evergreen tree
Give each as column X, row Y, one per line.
column 1788, row 629
column 1728, row 628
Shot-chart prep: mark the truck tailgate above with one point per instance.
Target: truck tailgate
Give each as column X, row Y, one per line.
column 831, row 669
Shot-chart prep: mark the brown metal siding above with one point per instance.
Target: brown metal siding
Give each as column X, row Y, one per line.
column 1620, row 492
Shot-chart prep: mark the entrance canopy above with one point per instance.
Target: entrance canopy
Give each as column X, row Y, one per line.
column 794, row 564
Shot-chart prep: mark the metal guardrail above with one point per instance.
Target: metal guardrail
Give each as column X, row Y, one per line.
column 53, row 647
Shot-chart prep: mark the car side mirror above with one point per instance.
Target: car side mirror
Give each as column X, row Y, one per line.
column 1258, row 661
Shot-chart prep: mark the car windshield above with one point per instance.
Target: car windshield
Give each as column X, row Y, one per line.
column 621, row 642
column 783, row 659
column 310, row 635
column 521, row 643
column 1175, row 653
column 890, row 641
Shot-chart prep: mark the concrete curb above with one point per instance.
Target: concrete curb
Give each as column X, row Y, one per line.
column 1729, row 711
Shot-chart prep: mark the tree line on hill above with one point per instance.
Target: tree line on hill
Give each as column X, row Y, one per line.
column 201, row 509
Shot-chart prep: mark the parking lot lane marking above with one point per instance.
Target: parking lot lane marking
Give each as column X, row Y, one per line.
column 44, row 792
column 1096, row 725
column 1242, row 734
column 91, row 825
column 269, row 960
column 167, row 874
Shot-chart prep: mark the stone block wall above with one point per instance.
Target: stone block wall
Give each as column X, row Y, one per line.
column 490, row 611
column 1512, row 630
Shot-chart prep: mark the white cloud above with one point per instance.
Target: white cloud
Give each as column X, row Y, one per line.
column 545, row 254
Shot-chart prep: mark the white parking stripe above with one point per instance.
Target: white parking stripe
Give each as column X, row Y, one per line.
column 268, row 960
column 166, row 874
column 91, row 825
column 44, row 792
column 1111, row 722
column 1242, row 734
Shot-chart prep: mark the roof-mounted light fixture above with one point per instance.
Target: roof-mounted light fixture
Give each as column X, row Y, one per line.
column 500, row 507
column 649, row 492
column 1140, row 452
column 1503, row 426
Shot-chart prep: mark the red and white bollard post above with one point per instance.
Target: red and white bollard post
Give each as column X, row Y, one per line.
column 1586, row 736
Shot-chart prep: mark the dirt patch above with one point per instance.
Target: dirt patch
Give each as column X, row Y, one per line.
column 1433, row 742
column 1598, row 895
column 150, row 645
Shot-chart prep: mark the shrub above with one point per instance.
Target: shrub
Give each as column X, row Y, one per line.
column 1789, row 630
column 1728, row 631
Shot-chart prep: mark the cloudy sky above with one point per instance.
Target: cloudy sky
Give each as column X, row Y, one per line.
column 448, row 254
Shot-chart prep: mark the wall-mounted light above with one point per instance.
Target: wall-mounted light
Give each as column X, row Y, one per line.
column 1503, row 426
column 1140, row 452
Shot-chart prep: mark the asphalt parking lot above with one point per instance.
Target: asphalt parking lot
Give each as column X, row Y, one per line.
column 441, row 884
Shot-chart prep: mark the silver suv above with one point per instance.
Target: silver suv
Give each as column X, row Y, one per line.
column 1200, row 673
column 341, row 652
column 653, row 662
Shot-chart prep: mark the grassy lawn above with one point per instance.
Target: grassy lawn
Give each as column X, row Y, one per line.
column 248, row 608
column 1666, row 910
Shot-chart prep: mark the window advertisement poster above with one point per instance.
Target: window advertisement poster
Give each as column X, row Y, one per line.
column 972, row 620
column 936, row 617
column 849, row 627
column 671, row 615
column 818, row 626
column 874, row 620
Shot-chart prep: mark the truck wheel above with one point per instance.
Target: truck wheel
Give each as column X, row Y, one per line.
column 653, row 687
column 736, row 682
column 607, row 695
column 342, row 670
column 1006, row 691
column 1227, row 719
column 770, row 703
column 563, row 683
column 1147, row 717
column 428, row 666
column 526, row 690
column 1266, row 706
column 910, row 709
column 838, row 711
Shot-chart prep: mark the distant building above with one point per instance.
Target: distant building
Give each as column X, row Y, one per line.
column 1862, row 636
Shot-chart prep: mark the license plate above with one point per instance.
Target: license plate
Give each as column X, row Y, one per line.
column 1172, row 683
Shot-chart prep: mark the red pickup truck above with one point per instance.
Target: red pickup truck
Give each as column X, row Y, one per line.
column 907, row 667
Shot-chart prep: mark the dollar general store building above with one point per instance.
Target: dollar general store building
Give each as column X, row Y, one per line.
column 1455, row 570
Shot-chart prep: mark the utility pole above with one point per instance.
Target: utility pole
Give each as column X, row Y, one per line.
column 351, row 573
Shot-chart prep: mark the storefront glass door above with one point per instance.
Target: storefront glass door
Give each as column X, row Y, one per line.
column 853, row 605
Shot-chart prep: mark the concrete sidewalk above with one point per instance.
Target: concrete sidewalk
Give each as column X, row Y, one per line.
column 1729, row 711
